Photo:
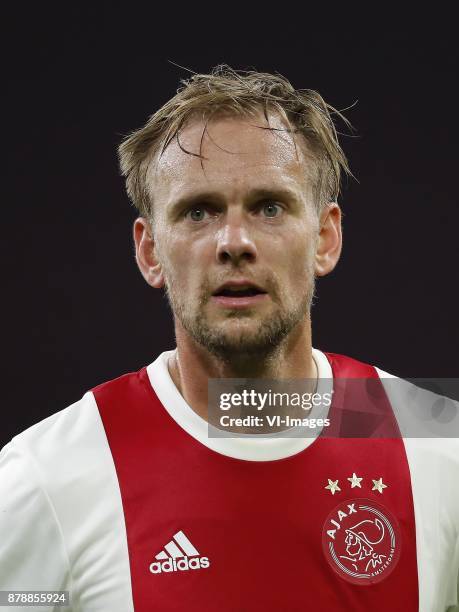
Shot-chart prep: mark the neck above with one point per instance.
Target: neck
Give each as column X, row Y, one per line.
column 192, row 365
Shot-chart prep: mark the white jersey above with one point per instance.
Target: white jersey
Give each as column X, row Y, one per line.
column 62, row 524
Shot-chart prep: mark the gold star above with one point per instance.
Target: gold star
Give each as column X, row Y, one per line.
column 355, row 481
column 333, row 486
column 378, row 485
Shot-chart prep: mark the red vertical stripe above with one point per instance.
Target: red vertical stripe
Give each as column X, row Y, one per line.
column 259, row 523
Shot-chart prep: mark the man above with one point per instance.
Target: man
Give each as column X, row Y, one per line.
column 129, row 501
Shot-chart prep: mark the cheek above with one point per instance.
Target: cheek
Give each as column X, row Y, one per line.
column 295, row 259
column 170, row 257
column 301, row 276
column 196, row 248
column 183, row 262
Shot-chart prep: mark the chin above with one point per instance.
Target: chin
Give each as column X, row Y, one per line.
column 240, row 341
column 240, row 331
column 242, row 336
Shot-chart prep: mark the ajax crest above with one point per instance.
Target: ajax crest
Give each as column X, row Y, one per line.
column 361, row 541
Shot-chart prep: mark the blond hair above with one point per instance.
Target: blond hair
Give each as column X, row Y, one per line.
column 230, row 92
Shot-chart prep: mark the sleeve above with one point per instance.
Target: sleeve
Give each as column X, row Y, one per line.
column 32, row 550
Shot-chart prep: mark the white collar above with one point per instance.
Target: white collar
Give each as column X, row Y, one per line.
column 246, row 448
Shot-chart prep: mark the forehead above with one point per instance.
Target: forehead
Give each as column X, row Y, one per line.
column 237, row 153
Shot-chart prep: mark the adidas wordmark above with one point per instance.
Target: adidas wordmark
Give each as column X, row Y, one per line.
column 181, row 555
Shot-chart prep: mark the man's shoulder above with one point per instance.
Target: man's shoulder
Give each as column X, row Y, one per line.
column 65, row 456
column 59, row 428
column 345, row 366
column 61, row 447
column 70, row 440
column 73, row 422
column 428, row 420
column 54, row 475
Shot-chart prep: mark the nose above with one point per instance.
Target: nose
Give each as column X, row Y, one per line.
column 235, row 242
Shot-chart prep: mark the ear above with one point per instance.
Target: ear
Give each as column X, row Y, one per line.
column 329, row 241
column 146, row 253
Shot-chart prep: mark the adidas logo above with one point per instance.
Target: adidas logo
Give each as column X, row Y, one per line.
column 179, row 555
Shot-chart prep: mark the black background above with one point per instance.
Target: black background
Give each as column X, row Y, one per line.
column 76, row 78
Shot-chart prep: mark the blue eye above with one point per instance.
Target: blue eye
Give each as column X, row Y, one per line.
column 271, row 209
column 196, row 213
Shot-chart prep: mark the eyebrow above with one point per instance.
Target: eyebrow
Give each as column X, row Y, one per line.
column 215, row 197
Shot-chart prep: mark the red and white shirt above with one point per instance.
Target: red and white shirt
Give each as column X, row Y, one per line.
column 124, row 500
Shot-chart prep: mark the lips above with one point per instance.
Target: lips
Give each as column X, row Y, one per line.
column 238, row 289
column 238, row 295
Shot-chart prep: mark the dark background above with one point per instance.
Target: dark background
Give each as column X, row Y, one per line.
column 75, row 79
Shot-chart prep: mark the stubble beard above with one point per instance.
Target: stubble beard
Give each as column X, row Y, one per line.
column 242, row 347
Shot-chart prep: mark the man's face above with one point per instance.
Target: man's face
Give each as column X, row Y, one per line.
column 244, row 214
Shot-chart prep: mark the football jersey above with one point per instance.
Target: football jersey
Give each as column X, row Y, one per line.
column 125, row 501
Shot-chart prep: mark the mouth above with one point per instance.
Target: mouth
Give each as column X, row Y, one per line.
column 236, row 295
